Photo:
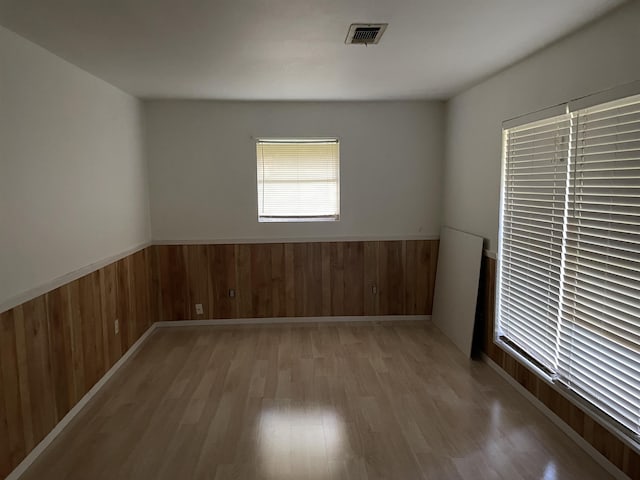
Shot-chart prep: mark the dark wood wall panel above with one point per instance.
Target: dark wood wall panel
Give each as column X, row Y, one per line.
column 391, row 278
column 112, row 345
column 222, row 260
column 55, row 347
column 309, row 279
column 198, row 281
column 276, row 284
column 35, row 360
column 13, row 427
column 173, row 281
column 353, row 281
column 615, row 450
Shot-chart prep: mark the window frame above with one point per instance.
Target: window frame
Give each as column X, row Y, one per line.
column 300, row 218
column 551, row 378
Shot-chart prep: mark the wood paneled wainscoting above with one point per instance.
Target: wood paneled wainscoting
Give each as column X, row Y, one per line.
column 295, row 279
column 55, row 347
column 614, row 449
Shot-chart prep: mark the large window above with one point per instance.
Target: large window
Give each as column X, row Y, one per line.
column 569, row 253
column 298, row 180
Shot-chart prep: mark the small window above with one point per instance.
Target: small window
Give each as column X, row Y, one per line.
column 298, row 180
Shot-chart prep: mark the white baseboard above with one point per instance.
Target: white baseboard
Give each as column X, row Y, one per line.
column 278, row 320
column 48, row 440
column 558, row 422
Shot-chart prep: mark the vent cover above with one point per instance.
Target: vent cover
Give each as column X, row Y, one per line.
column 365, row 33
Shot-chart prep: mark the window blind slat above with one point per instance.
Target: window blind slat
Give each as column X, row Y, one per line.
column 614, row 354
column 595, row 293
column 624, row 387
column 593, row 383
column 616, row 283
column 602, row 266
column 609, row 134
column 608, row 151
column 595, row 123
column 543, row 258
column 536, row 303
column 522, row 265
column 606, row 320
column 533, row 232
column 625, row 372
column 576, row 225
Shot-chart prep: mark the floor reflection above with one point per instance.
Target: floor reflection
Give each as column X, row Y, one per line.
column 550, row 472
column 300, row 442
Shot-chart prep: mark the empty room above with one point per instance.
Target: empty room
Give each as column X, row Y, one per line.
column 330, row 239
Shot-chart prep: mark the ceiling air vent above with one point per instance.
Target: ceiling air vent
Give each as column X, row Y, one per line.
column 365, row 33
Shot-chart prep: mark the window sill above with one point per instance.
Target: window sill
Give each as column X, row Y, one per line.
column 332, row 218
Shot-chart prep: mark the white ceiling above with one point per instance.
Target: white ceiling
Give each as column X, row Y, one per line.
column 294, row 49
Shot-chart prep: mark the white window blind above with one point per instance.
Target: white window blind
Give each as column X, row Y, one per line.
column 298, row 180
column 569, row 259
column 534, row 204
column 600, row 341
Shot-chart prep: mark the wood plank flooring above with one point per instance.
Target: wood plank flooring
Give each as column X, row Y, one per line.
column 329, row 401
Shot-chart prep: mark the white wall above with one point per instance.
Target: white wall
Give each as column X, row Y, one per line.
column 202, row 167
column 72, row 171
column 600, row 56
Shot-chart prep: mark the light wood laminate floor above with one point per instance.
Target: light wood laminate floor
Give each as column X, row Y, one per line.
column 344, row 401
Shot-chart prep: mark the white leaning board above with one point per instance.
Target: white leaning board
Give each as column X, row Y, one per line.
column 456, row 290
